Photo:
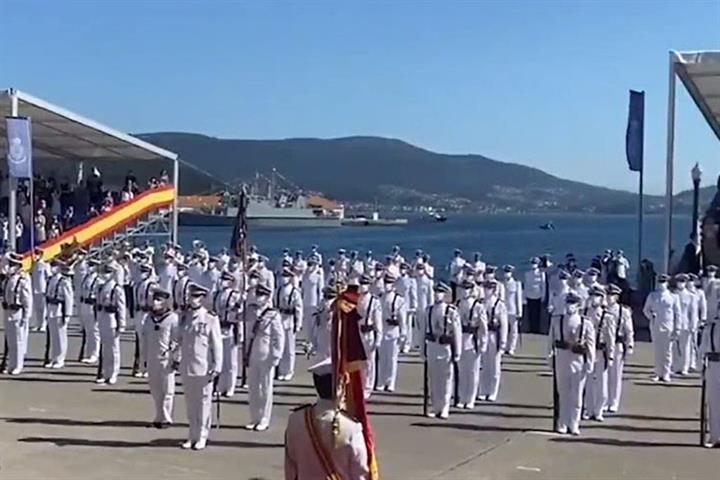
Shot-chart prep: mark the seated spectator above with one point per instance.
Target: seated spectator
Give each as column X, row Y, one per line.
column 153, row 183
column 127, row 193
column 164, row 177
column 107, row 203
column 92, row 213
column 55, row 229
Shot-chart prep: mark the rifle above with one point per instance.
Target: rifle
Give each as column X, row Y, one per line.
column 245, row 352
column 100, row 364
column 46, row 358
column 136, row 355
column 216, row 394
column 376, row 359
column 556, row 395
column 84, row 341
column 703, row 409
column 3, row 365
column 425, row 379
column 456, row 383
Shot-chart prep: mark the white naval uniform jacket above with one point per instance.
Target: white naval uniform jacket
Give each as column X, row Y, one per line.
column 687, row 304
column 312, row 286
column 663, row 311
column 226, row 303
column 535, row 285
column 159, row 335
column 698, row 314
column 574, row 329
column 473, row 321
column 143, row 295
column 266, row 336
column 288, row 302
column 371, row 323
column 167, row 273
column 624, row 330
column 514, row 297
column 40, row 273
column 88, row 288
column 394, row 313
column 59, row 297
column 180, row 287
column 200, row 343
column 321, row 329
column 407, row 287
column 442, row 319
column 18, row 298
column 424, row 289
column 604, row 321
column 112, row 304
column 497, row 320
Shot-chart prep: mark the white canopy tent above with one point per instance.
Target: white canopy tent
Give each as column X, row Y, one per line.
column 700, row 73
column 61, row 134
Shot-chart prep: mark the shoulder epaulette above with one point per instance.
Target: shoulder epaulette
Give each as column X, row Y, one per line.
column 348, row 416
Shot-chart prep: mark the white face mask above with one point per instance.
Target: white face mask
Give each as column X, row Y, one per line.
column 55, row 270
column 388, row 287
column 508, row 275
column 253, row 282
column 158, row 305
column 364, row 288
column 662, row 286
column 612, row 300
column 571, row 309
column 261, row 300
column 596, row 301
column 710, row 275
column 195, row 302
column 681, row 285
column 225, row 283
column 181, row 273
column 439, row 297
column 535, row 267
column 563, row 282
column 286, row 280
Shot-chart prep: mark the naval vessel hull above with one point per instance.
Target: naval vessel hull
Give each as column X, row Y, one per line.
column 193, row 219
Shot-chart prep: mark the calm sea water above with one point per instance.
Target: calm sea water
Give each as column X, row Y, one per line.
column 501, row 238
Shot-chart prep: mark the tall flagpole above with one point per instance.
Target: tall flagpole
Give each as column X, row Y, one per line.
column 12, row 183
column 670, row 146
column 640, row 223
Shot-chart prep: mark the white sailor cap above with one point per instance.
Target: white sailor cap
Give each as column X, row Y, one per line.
column 613, row 289
column 262, row 289
column 160, row 294
column 145, row 267
column 197, row 290
column 441, row 287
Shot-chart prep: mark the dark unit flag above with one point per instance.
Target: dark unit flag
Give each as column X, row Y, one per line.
column 634, row 137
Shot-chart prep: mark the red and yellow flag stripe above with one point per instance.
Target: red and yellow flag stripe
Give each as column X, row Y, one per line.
column 94, row 230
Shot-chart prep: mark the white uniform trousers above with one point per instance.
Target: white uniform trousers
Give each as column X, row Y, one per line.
column 287, row 361
column 388, row 362
column 663, row 348
column 683, row 350
column 138, row 327
column 198, row 404
column 596, row 387
column 58, row 339
column 308, row 319
column 615, row 378
column 418, row 332
column 39, row 311
column 110, row 339
column 260, row 392
column 513, row 333
column 712, row 385
column 469, row 377
column 406, row 342
column 17, row 335
column 228, row 377
column 441, row 384
column 92, row 332
column 571, row 376
column 161, row 381
column 491, row 369
column 369, row 373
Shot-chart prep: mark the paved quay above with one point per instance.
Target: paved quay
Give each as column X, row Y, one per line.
column 60, row 425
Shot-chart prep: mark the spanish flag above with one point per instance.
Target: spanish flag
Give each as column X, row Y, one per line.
column 348, row 355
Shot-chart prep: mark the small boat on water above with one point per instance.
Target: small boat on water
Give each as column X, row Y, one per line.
column 440, row 218
column 547, row 226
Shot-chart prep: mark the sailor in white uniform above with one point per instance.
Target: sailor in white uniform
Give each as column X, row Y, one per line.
column 200, row 353
column 534, row 293
column 573, row 345
column 17, row 308
column 143, row 303
column 112, row 318
column 89, row 288
column 394, row 314
column 514, row 305
column 497, row 323
column 59, row 297
column 473, row 320
column 596, row 387
column 371, row 325
column 710, row 350
column 698, row 318
column 288, row 301
column 443, row 337
column 407, row 287
column 456, row 271
column 624, row 345
column 662, row 309
column 312, row 291
column 321, row 325
column 160, row 331
column 40, row 273
column 684, row 341
column 228, row 305
column 424, row 291
column 266, row 337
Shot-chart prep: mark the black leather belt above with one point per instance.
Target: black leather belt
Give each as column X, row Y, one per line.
column 367, row 328
column 713, row 356
column 393, row 322
column 468, row 329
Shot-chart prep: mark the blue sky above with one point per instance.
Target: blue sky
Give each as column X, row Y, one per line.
column 542, row 83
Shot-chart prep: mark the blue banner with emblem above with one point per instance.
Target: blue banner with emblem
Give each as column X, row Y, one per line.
column 19, row 147
column 635, row 134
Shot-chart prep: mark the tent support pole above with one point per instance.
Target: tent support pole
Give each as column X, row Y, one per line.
column 176, row 184
column 13, row 185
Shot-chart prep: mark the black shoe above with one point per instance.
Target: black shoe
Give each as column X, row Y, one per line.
column 164, row 425
column 157, row 425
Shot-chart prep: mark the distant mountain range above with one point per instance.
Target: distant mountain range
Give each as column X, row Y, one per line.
column 392, row 172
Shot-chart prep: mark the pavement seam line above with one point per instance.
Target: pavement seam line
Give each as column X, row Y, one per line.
column 469, row 459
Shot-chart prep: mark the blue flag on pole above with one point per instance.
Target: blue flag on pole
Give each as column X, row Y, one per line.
column 19, row 150
column 635, row 134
